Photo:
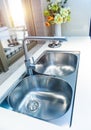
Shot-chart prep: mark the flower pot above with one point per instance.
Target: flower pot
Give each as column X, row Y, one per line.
column 57, row 30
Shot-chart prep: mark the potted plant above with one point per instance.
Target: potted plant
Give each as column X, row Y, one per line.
column 57, row 13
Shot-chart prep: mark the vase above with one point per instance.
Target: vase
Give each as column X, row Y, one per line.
column 57, row 30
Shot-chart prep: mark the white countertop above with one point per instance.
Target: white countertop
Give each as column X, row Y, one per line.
column 82, row 108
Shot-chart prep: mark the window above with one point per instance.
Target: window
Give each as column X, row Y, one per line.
column 16, row 12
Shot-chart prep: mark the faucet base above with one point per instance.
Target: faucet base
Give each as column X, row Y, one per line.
column 54, row 45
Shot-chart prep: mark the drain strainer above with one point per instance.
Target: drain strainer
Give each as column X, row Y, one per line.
column 32, row 105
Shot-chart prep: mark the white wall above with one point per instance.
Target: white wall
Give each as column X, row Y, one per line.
column 80, row 18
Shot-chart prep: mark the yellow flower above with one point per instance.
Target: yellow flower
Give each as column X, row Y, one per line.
column 58, row 19
column 46, row 13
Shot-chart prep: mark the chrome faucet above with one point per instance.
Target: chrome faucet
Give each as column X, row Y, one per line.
column 30, row 63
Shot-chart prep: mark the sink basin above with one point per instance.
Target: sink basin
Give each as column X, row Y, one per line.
column 48, row 94
column 56, row 63
column 41, row 96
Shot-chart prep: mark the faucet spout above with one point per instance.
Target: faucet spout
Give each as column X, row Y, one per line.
column 29, row 65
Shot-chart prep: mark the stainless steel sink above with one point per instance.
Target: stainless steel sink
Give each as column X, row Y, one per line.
column 49, row 93
column 41, row 96
column 56, row 63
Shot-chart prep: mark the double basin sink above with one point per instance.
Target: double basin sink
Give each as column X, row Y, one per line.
column 49, row 93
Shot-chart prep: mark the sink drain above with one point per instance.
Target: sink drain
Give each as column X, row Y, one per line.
column 32, row 105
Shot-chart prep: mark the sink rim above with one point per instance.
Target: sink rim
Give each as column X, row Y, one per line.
column 61, row 51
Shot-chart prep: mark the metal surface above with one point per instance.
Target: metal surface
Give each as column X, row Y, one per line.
column 54, row 44
column 50, row 98
column 29, row 63
column 56, row 63
column 41, row 96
